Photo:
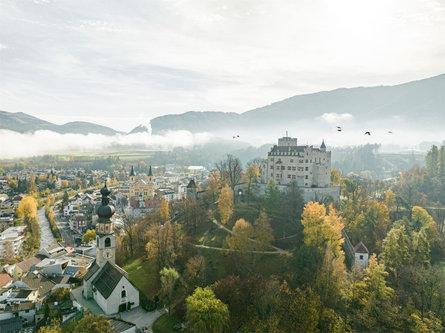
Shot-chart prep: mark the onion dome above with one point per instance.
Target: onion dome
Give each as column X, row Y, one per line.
column 105, row 211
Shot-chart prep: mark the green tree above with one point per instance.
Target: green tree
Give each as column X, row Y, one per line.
column 371, row 302
column 335, row 177
column 396, row 250
column 206, row 313
column 168, row 281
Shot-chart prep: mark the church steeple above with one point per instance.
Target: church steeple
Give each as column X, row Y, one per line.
column 105, row 239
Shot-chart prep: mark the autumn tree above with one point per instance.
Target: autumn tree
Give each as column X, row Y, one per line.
column 321, row 230
column 225, row 204
column 372, row 301
column 239, row 240
column 262, row 232
column 250, row 178
column 165, row 216
column 168, row 281
column 92, row 324
column 53, row 327
column 396, row 250
column 89, row 236
column 335, row 177
column 206, row 313
column 195, row 271
column 164, row 241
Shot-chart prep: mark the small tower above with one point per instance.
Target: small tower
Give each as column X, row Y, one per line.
column 132, row 175
column 105, row 238
column 361, row 255
column 191, row 190
column 323, row 146
column 150, row 174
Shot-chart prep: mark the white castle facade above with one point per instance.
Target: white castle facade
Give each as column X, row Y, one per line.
column 306, row 166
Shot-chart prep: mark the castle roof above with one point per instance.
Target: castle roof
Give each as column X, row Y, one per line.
column 360, row 248
column 323, row 145
column 132, row 172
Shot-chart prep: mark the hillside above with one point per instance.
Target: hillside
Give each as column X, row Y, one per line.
column 421, row 102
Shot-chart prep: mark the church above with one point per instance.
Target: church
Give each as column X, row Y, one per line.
column 106, row 282
column 141, row 186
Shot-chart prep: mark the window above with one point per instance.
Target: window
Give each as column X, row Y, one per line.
column 288, row 176
column 294, row 168
column 293, row 176
column 306, row 161
column 289, row 168
column 278, row 175
column 306, row 177
column 361, row 257
column 271, row 167
column 283, row 167
column 107, row 242
column 307, row 169
column 123, row 294
column 300, row 168
column 301, row 161
column 291, row 160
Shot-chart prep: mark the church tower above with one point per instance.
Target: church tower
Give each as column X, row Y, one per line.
column 150, row 175
column 132, row 175
column 105, row 238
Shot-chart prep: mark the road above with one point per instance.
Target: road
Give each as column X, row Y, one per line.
column 65, row 231
column 46, row 236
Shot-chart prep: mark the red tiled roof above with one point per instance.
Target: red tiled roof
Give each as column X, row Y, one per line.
column 4, row 279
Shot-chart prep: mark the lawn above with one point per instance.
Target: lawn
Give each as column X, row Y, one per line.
column 143, row 275
column 165, row 323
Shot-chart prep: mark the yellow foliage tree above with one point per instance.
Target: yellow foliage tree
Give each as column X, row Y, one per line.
column 165, row 216
column 27, row 208
column 225, row 204
column 241, row 232
column 321, row 230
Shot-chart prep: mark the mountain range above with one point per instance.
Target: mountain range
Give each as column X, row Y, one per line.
column 417, row 103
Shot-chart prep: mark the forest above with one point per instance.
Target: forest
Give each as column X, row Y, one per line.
column 275, row 264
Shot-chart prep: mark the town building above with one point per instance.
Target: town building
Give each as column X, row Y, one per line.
column 140, row 185
column 106, row 282
column 361, row 255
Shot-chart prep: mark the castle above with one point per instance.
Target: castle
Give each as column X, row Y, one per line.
column 106, row 282
column 308, row 167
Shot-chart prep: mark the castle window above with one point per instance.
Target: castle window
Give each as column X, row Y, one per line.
column 288, row 176
column 307, row 177
column 293, row 176
column 107, row 242
column 289, row 168
column 307, row 169
column 123, row 294
column 294, row 168
column 291, row 160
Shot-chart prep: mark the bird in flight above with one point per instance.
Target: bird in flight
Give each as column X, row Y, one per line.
column 389, row 132
column 367, row 133
column 338, row 129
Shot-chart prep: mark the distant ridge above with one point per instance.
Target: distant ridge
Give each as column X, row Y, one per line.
column 421, row 102
column 22, row 122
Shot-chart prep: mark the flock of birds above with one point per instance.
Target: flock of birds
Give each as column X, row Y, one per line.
column 339, row 129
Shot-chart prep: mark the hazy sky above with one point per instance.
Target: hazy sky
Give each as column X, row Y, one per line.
column 121, row 63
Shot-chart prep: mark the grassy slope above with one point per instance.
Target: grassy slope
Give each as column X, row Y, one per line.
column 143, row 275
column 165, row 323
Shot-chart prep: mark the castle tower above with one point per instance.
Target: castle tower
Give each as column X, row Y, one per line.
column 323, row 146
column 105, row 238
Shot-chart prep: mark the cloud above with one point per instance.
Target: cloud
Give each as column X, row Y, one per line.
column 336, row 118
column 16, row 144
